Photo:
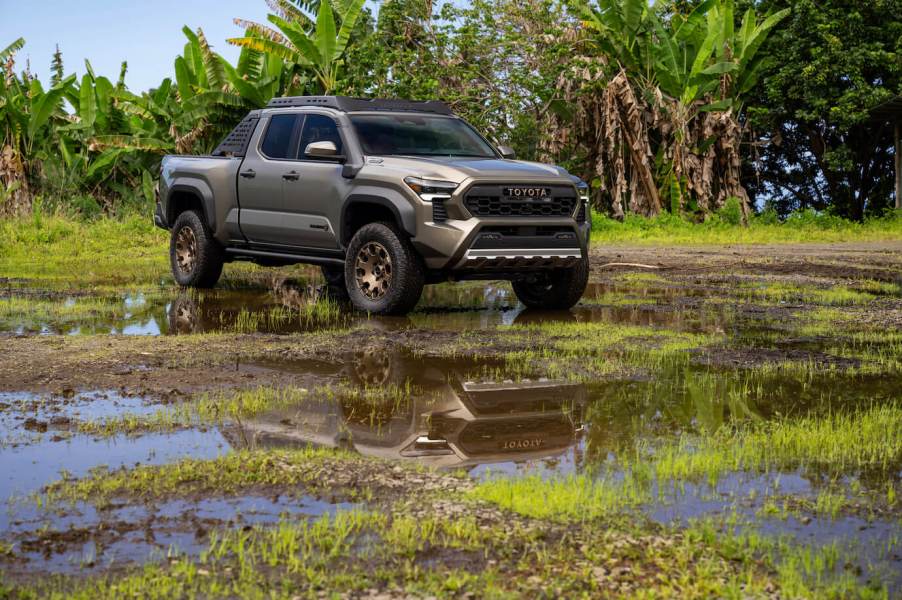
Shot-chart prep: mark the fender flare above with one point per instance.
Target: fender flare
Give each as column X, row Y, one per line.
column 197, row 188
column 401, row 209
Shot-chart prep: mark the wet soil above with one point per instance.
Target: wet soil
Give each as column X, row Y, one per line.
column 463, row 406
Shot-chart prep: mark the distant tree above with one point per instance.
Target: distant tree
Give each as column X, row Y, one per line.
column 831, row 62
column 56, row 67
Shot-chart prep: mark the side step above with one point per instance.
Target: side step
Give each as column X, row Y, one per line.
column 286, row 257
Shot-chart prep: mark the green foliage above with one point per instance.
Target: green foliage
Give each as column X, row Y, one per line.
column 832, row 62
column 526, row 72
column 321, row 48
column 766, row 228
column 731, row 212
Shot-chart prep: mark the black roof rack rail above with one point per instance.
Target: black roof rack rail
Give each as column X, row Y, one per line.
column 348, row 104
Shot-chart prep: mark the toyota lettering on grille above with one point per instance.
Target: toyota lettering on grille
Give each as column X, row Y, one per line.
column 528, row 193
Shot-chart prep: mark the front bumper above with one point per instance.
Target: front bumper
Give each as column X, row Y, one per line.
column 519, row 259
column 458, row 239
column 453, row 245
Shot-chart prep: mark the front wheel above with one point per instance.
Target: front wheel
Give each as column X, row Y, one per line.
column 555, row 290
column 195, row 256
column 383, row 273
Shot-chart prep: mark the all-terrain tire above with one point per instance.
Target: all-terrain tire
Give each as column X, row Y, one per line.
column 195, row 256
column 335, row 283
column 393, row 267
column 557, row 290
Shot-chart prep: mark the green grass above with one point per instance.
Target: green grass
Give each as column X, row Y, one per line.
column 131, row 250
column 585, row 351
column 840, row 443
column 791, row 292
column 353, row 552
column 802, row 571
column 228, row 474
column 849, row 443
column 60, row 249
column 572, row 498
column 806, row 227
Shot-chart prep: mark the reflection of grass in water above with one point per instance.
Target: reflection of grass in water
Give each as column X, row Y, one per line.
column 869, row 439
column 322, row 311
column 86, row 313
column 368, row 404
column 211, row 408
column 803, row 570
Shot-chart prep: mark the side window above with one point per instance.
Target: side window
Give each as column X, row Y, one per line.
column 319, row 128
column 277, row 140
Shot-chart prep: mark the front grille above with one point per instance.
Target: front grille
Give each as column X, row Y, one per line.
column 516, row 435
column 439, row 212
column 526, row 236
column 490, row 201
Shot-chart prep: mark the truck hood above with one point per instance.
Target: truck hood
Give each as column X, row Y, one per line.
column 459, row 169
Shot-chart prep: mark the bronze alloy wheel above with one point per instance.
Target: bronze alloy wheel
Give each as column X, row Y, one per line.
column 373, row 270
column 372, row 365
column 186, row 249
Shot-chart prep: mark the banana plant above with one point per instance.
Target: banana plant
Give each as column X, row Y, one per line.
column 620, row 30
column 319, row 46
column 701, row 55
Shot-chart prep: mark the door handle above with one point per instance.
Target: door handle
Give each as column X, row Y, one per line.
column 291, row 176
column 249, row 174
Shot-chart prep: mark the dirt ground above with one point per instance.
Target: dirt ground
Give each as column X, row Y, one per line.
column 171, row 366
column 877, row 260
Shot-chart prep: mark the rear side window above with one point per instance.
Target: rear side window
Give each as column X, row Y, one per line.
column 278, row 137
column 319, row 128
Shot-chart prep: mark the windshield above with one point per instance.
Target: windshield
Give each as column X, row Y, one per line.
column 419, row 135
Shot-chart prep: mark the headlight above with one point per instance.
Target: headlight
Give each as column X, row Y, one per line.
column 431, row 189
column 582, row 188
column 582, row 214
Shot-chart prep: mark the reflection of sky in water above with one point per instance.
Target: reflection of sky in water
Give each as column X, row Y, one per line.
column 28, row 467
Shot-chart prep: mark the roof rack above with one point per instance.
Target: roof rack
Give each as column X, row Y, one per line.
column 348, row 104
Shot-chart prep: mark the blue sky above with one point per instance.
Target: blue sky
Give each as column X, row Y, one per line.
column 146, row 34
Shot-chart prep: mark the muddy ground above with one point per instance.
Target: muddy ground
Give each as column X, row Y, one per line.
column 427, row 411
column 165, row 367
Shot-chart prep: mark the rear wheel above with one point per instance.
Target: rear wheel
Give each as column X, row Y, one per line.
column 555, row 290
column 383, row 273
column 195, row 256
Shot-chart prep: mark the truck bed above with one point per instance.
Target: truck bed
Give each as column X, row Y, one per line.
column 215, row 177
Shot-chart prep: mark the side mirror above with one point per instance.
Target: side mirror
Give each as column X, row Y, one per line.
column 507, row 152
column 321, row 150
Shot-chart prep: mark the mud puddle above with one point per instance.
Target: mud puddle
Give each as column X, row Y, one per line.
column 297, row 308
column 472, row 415
column 765, row 364
column 41, row 445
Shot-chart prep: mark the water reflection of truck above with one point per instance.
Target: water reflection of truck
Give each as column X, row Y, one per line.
column 437, row 416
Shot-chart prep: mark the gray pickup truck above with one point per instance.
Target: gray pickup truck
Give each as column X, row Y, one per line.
column 384, row 195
